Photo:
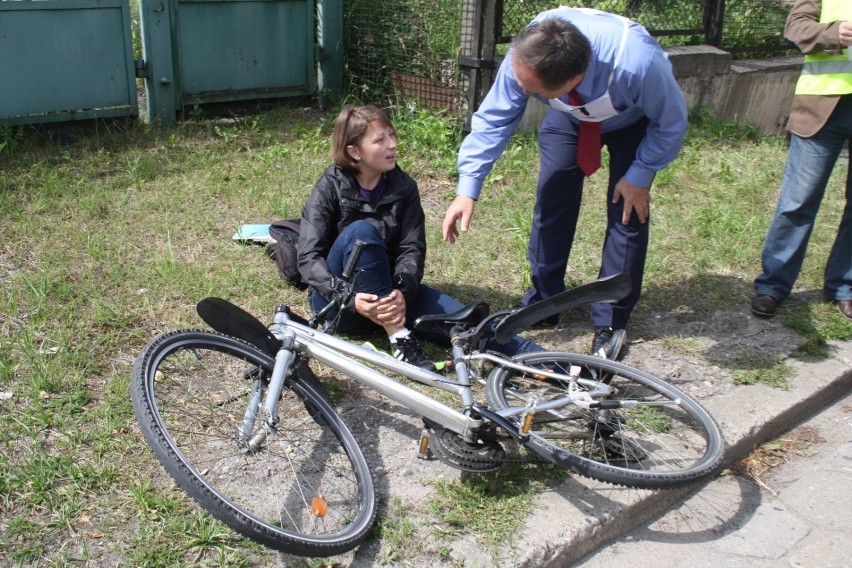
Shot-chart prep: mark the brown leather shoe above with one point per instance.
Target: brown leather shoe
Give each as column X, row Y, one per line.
column 764, row 306
column 845, row 307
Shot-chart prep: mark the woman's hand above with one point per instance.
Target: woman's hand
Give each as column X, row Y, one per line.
column 388, row 312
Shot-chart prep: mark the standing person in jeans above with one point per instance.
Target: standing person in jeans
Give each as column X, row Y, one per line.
column 365, row 196
column 606, row 81
column 820, row 124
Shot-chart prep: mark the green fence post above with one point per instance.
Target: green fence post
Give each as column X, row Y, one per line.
column 329, row 50
column 158, row 61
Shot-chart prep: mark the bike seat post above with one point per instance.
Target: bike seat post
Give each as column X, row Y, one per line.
column 279, row 321
column 461, row 368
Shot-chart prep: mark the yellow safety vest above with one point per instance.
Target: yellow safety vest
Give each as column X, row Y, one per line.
column 824, row 74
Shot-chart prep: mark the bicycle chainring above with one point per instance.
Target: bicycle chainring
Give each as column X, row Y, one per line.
column 484, row 456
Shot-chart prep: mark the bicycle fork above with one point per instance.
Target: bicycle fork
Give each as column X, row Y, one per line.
column 283, row 361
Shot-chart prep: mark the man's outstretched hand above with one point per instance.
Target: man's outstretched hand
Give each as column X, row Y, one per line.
column 461, row 208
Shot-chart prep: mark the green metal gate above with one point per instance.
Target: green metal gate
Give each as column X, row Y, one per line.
column 66, row 60
column 203, row 51
column 72, row 59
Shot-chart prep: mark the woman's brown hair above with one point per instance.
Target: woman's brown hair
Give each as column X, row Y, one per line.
column 349, row 130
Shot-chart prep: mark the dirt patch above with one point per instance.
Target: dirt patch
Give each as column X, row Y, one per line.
column 771, row 455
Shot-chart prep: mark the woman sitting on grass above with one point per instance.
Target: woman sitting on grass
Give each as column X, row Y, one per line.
column 365, row 196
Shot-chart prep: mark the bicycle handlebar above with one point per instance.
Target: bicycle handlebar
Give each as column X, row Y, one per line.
column 353, row 260
column 343, row 287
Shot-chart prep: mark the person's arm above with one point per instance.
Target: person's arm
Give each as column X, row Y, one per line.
column 316, row 233
column 491, row 127
column 663, row 104
column 411, row 250
column 805, row 30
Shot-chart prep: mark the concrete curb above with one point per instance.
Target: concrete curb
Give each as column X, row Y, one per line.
column 574, row 520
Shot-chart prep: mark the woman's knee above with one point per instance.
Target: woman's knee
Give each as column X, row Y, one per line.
column 362, row 230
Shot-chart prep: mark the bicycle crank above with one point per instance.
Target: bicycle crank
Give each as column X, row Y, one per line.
column 484, row 456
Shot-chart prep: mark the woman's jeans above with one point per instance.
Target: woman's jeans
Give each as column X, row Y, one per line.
column 375, row 276
column 809, row 165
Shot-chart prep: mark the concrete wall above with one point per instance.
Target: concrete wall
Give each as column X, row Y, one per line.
column 757, row 92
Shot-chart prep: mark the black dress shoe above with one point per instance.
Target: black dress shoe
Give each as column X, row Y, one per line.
column 764, row 306
column 608, row 342
column 845, row 307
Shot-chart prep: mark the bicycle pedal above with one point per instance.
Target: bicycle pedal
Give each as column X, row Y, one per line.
column 423, row 450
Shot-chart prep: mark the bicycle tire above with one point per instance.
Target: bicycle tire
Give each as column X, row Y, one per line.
column 308, row 491
column 650, row 447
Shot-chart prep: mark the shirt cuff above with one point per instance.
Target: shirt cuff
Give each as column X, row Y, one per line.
column 640, row 176
column 469, row 187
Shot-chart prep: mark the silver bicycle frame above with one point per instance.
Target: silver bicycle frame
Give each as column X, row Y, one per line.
column 346, row 358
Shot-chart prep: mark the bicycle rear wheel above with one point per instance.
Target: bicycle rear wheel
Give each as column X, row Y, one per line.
column 306, row 490
column 657, row 438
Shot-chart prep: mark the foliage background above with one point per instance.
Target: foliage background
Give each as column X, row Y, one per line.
column 411, row 47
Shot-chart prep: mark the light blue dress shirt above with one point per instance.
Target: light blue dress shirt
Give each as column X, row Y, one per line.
column 641, row 86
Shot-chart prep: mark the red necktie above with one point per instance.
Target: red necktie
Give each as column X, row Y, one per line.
column 589, row 141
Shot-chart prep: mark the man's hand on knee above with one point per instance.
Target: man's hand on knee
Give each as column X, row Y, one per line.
column 635, row 199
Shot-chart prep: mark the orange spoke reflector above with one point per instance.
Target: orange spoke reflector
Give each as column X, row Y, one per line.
column 319, row 506
column 540, row 377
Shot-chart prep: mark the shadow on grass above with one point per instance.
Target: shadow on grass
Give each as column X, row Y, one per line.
column 716, row 308
column 705, row 316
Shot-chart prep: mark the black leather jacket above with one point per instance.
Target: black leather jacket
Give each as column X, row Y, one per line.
column 335, row 202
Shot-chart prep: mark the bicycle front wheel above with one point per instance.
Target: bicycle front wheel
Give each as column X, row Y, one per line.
column 653, row 437
column 305, row 488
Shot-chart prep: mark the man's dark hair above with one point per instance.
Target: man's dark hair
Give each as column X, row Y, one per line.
column 555, row 49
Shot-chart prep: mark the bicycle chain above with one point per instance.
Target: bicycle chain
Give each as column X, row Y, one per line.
column 485, row 456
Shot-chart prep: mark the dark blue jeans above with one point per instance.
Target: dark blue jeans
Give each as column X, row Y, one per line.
column 375, row 276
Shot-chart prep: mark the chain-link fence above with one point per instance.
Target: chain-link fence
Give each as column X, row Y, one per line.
column 746, row 28
column 408, row 49
column 411, row 49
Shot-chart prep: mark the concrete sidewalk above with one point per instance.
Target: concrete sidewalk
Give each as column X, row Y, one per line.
column 799, row 514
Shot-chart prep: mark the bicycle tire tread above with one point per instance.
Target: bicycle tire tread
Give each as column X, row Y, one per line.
column 202, row 493
column 609, row 473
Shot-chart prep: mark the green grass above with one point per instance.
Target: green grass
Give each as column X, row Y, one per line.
column 111, row 232
column 491, row 506
column 760, row 368
column 397, row 532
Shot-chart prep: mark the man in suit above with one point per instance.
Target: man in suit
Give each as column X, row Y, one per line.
column 606, row 81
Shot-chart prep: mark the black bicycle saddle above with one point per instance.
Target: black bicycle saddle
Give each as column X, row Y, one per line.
column 469, row 316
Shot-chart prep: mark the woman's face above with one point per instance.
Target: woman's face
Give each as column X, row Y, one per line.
column 376, row 154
